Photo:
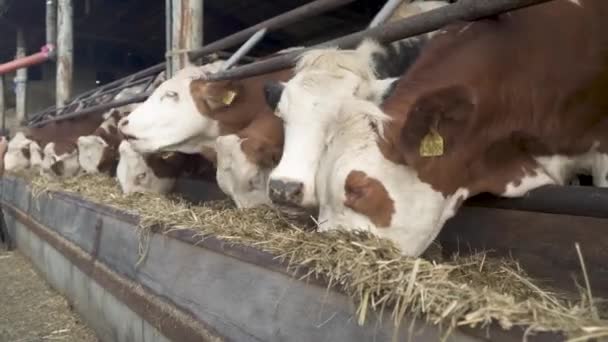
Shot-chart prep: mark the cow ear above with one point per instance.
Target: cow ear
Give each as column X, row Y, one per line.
column 216, row 95
column 377, row 90
column 434, row 114
column 272, row 93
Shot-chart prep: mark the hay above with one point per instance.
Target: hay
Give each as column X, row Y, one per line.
column 472, row 291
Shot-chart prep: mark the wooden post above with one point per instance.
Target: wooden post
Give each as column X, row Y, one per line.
column 65, row 51
column 2, row 106
column 187, row 30
column 51, row 22
column 20, row 80
column 168, row 38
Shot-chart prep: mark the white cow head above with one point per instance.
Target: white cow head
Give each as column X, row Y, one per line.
column 243, row 167
column 171, row 118
column 18, row 153
column 60, row 160
column 135, row 175
column 309, row 104
column 98, row 152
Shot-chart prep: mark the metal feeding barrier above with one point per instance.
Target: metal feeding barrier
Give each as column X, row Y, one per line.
column 462, row 10
column 91, row 101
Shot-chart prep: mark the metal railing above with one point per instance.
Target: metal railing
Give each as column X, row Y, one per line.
column 462, row 10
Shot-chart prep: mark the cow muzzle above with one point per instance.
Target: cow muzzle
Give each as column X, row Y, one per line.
column 286, row 192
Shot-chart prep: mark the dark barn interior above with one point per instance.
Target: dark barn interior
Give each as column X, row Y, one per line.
column 131, row 33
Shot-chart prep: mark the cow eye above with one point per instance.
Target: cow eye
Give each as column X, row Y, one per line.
column 141, row 176
column 171, row 94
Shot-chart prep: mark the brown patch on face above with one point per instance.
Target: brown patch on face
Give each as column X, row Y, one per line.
column 58, row 168
column 368, row 196
column 263, row 141
column 26, row 152
column 164, row 166
column 65, row 147
column 247, row 105
column 108, row 161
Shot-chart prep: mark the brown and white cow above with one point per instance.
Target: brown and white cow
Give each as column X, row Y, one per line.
column 187, row 113
column 502, row 105
column 157, row 172
column 22, row 153
column 324, row 80
column 60, row 160
column 98, row 152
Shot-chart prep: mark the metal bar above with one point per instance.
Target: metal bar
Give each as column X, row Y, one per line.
column 465, row 10
column 118, row 84
column 25, row 62
column 65, row 51
column 244, row 49
column 309, row 10
column 96, row 108
column 21, row 77
column 387, row 10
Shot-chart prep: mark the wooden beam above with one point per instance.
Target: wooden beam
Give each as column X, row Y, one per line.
column 21, row 79
column 51, row 22
column 2, row 105
column 187, row 30
column 65, row 51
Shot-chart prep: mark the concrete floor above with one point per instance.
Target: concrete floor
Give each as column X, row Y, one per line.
column 31, row 311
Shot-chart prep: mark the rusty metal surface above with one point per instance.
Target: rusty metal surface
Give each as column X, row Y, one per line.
column 490, row 226
column 240, row 300
column 176, row 325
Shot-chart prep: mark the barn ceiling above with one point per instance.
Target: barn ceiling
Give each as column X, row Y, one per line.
column 136, row 27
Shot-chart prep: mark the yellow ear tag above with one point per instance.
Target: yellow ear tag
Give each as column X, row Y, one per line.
column 228, row 97
column 431, row 145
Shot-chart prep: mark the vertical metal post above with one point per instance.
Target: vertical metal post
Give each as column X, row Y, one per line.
column 65, row 51
column 187, row 33
column 51, row 22
column 20, row 79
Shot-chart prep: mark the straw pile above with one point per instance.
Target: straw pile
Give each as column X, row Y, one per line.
column 473, row 291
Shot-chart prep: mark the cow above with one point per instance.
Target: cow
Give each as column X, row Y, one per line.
column 247, row 137
column 60, row 160
column 157, row 172
column 20, row 150
column 98, row 152
column 187, row 114
column 502, row 105
column 368, row 72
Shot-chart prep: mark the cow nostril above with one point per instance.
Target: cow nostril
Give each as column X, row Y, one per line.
column 123, row 123
column 286, row 192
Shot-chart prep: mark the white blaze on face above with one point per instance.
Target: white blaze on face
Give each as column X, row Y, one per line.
column 309, row 104
column 15, row 159
column 417, row 213
column 135, row 176
column 237, row 177
column 35, row 155
column 62, row 165
column 169, row 119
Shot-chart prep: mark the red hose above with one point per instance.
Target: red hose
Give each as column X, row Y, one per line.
column 37, row 58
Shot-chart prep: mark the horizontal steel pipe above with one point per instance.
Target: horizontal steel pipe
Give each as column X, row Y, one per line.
column 305, row 11
column 40, row 57
column 466, row 10
column 97, row 108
